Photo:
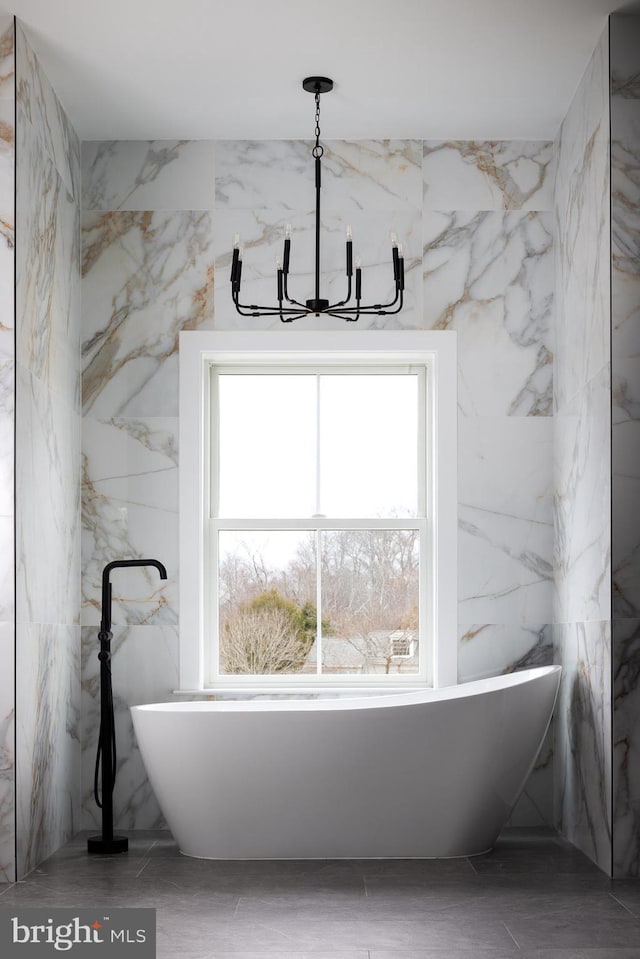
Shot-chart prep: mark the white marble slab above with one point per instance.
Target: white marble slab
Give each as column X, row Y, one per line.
column 582, row 506
column 357, row 175
column 44, row 111
column 47, row 270
column 488, row 175
column 148, row 175
column 7, row 58
column 48, row 518
column 48, row 740
column 582, row 234
column 488, row 649
column 7, row 753
column 489, row 276
column 130, row 497
column 626, row 755
column 583, row 745
column 146, row 276
column 505, row 466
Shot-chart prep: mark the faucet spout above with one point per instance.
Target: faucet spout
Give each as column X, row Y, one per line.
column 105, row 623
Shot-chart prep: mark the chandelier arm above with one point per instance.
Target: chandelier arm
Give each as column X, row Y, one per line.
column 377, row 309
column 344, row 302
column 288, row 298
column 255, row 310
column 291, row 318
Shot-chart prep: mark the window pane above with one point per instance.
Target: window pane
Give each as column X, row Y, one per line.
column 370, row 601
column 267, row 449
column 368, row 445
column 267, row 608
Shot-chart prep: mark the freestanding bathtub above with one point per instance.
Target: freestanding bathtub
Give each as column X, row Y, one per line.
column 424, row 774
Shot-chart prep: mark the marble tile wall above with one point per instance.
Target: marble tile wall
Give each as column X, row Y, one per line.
column 7, row 407
column 582, row 458
column 48, row 467
column 158, row 225
column 488, row 274
column 148, row 266
column 625, row 387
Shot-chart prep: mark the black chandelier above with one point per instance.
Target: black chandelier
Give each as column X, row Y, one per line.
column 289, row 309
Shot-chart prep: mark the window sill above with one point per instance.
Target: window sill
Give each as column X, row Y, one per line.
column 238, row 691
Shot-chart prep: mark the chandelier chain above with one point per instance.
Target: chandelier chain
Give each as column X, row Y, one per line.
column 318, row 149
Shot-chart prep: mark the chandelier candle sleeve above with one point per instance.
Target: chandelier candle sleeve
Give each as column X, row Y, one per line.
column 287, row 307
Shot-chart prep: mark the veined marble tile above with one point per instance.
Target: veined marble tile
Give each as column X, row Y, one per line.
column 7, row 227
column 7, row 574
column 504, row 568
column 262, row 233
column 625, row 557
column 625, row 40
column 583, row 747
column 487, row 649
column 144, row 670
column 535, row 806
column 41, row 106
column 488, row 175
column 582, row 230
column 130, row 510
column 626, row 756
column 7, row 408
column 148, row 175
column 146, row 276
column 7, row 168
column 47, row 271
column 7, row 753
column 505, row 466
column 489, row 276
column 582, row 506
column 48, row 740
column 48, row 517
column 7, row 58
column 357, row 175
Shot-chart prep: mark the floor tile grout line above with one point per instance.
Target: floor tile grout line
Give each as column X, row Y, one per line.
column 620, row 903
column 512, row 935
column 145, row 863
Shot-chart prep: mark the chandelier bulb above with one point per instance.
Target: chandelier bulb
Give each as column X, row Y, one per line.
column 349, row 233
column 394, row 238
column 236, row 240
column 287, row 231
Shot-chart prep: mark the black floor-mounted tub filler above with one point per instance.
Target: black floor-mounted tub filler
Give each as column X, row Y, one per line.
column 106, row 755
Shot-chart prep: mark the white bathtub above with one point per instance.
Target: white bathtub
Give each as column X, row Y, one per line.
column 423, row 774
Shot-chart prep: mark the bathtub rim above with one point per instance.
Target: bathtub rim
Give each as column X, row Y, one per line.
column 478, row 687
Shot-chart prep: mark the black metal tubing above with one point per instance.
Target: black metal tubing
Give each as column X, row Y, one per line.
column 317, row 305
column 106, row 755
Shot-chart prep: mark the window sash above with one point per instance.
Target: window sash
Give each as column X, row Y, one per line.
column 217, row 524
column 425, row 607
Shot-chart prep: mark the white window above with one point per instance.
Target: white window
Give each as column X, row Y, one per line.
column 317, row 510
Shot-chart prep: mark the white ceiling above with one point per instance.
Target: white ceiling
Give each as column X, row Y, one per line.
column 232, row 69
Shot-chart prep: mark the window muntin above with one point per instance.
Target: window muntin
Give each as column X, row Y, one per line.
column 361, row 480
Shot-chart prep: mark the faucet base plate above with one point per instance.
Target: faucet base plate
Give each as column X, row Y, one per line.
column 96, row 844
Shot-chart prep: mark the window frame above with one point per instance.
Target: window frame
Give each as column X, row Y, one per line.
column 360, row 351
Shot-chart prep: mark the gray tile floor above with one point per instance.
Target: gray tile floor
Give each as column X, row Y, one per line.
column 533, row 897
